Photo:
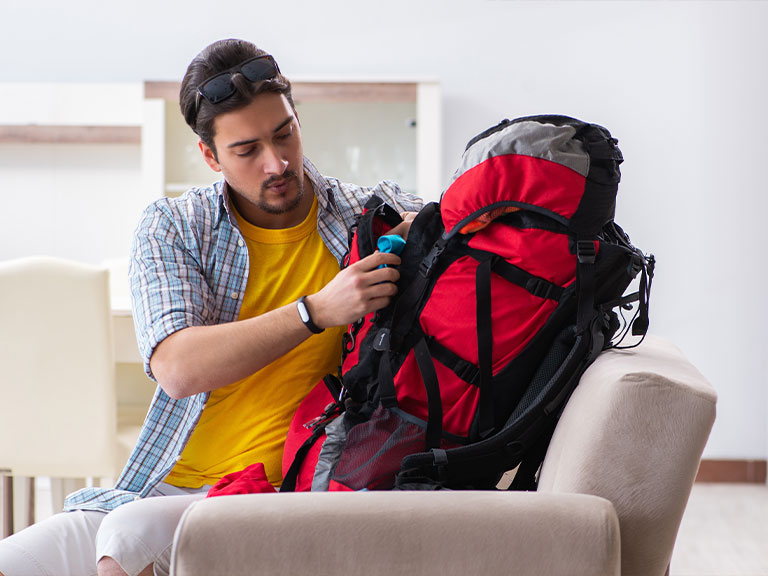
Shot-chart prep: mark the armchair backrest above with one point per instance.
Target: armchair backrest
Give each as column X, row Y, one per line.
column 57, row 383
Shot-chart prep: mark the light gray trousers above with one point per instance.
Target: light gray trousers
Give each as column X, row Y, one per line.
column 135, row 535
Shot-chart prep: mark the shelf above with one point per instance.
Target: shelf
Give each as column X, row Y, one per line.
column 358, row 130
column 64, row 134
column 316, row 91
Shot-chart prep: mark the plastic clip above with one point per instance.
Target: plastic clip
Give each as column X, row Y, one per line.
column 586, row 252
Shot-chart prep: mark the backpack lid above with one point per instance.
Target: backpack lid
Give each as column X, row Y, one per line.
column 553, row 165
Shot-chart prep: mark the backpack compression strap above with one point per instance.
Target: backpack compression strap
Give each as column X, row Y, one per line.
column 426, row 367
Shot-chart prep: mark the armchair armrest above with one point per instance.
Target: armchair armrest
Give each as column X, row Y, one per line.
column 386, row 533
column 633, row 432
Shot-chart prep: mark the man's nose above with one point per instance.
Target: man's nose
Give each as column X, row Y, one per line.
column 274, row 163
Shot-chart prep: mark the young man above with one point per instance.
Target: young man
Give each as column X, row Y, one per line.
column 239, row 307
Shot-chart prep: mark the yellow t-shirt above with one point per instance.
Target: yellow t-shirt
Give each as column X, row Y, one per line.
column 246, row 422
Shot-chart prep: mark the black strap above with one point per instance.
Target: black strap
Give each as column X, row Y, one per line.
column 375, row 208
column 434, row 402
column 387, row 393
column 484, row 347
column 465, row 370
column 408, row 304
column 534, row 284
column 585, row 282
column 318, row 430
column 292, row 475
column 334, row 386
column 525, row 477
column 640, row 325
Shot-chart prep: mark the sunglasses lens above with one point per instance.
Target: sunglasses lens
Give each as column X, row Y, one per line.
column 259, row 69
column 218, row 88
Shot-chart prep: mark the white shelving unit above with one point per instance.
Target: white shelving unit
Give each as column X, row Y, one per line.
column 360, row 131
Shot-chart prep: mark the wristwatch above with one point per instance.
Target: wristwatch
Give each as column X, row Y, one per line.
column 306, row 317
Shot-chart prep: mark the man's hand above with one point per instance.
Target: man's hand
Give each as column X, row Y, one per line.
column 203, row 358
column 404, row 227
column 357, row 290
column 361, row 288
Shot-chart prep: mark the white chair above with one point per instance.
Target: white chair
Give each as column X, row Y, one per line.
column 58, row 414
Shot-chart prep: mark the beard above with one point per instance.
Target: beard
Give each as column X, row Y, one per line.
column 286, row 205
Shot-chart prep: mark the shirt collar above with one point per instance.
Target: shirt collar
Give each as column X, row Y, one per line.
column 323, row 190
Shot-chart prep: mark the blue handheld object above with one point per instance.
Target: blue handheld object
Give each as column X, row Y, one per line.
column 392, row 243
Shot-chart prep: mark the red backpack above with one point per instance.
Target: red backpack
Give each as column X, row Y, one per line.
column 508, row 291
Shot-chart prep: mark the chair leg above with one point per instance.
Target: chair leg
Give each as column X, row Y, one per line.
column 7, row 505
column 23, row 502
column 30, row 501
column 61, row 487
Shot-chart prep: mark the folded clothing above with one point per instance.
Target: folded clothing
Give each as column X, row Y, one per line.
column 250, row 480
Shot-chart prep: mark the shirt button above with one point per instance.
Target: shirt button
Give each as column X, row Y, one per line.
column 136, row 498
column 234, row 295
column 240, row 243
column 178, row 458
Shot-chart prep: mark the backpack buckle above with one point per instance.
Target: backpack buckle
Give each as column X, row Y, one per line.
column 468, row 372
column 539, row 288
column 425, row 268
column 586, row 251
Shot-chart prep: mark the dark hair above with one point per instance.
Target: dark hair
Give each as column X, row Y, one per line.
column 218, row 57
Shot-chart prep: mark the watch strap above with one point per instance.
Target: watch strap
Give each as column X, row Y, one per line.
column 306, row 317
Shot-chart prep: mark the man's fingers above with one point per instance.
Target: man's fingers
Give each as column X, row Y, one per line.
column 361, row 288
column 377, row 259
column 380, row 289
column 404, row 227
column 379, row 275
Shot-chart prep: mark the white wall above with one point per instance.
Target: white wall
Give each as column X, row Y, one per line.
column 681, row 84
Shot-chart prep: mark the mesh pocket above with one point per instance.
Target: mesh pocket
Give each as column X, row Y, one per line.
column 374, row 450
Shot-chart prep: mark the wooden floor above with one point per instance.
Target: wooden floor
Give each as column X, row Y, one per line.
column 724, row 532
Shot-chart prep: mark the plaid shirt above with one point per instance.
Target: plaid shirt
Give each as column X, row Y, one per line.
column 189, row 267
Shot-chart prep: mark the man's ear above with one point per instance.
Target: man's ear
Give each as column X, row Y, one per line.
column 209, row 156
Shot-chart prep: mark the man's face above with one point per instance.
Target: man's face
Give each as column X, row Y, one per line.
column 259, row 152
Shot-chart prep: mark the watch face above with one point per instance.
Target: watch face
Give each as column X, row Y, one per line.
column 303, row 312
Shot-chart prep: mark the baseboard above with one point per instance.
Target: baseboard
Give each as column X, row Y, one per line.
column 733, row 471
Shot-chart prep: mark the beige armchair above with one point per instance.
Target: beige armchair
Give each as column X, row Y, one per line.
column 612, row 492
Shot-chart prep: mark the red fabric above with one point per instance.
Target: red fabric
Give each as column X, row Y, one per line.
column 542, row 253
column 336, row 487
column 517, row 315
column 513, row 177
column 459, row 399
column 310, row 408
column 251, row 480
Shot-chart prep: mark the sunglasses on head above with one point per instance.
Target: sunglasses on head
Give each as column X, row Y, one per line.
column 220, row 87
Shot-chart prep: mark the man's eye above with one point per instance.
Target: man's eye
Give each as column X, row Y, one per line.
column 285, row 135
column 245, row 153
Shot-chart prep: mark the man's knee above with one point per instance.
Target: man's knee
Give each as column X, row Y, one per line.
column 61, row 544
column 140, row 534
